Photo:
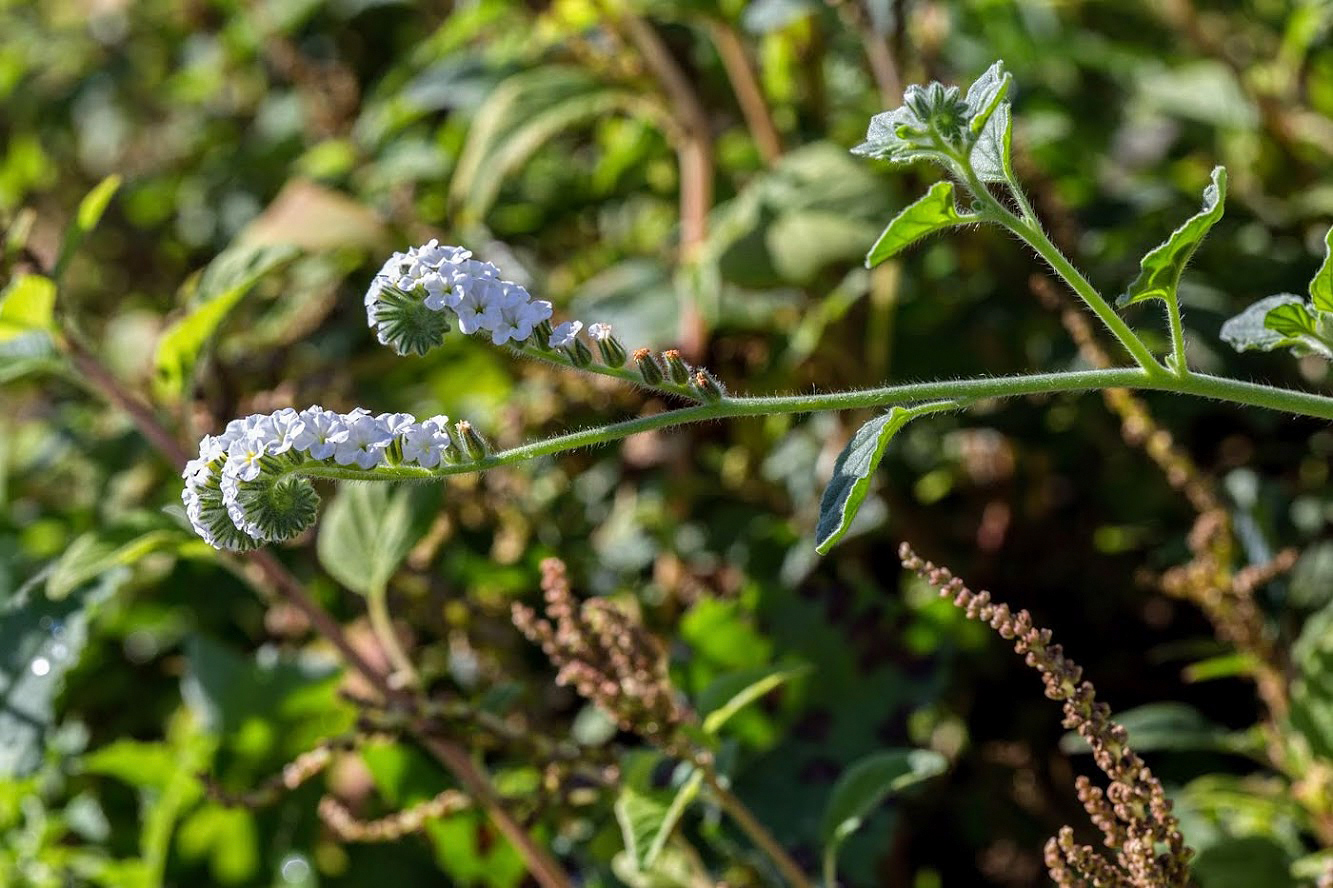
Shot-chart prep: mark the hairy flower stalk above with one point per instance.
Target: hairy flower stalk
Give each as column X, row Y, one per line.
column 241, row 491
column 1133, row 814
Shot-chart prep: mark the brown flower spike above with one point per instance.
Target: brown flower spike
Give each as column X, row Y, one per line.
column 1133, row 813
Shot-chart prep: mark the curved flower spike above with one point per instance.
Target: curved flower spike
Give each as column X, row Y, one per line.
column 244, row 488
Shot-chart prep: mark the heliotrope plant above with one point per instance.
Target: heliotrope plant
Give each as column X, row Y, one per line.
column 249, row 485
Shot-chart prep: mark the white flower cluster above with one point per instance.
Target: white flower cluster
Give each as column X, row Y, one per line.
column 447, row 281
column 237, row 494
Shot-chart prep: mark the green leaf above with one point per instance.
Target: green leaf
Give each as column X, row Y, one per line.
column 1321, row 287
column 40, row 640
column 933, row 212
column 27, row 320
column 865, row 785
column 991, row 120
column 1249, row 330
column 27, row 305
column 368, row 531
column 1291, row 320
column 1160, row 270
column 89, row 556
column 1164, row 726
column 222, row 286
column 729, row 694
column 850, row 483
column 647, row 814
column 85, row 220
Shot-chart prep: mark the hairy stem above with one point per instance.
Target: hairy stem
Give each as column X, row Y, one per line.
column 1031, row 232
column 967, row 390
column 757, row 832
column 750, row 97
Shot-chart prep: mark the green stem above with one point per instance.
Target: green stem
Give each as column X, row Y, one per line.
column 1178, row 364
column 1199, row 385
column 560, row 359
column 757, row 832
column 1032, row 233
column 381, row 623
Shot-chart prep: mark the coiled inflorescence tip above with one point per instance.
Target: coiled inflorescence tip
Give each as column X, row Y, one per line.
column 420, row 295
column 241, row 491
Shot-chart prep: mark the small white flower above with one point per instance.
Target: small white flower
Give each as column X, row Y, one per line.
column 514, row 314
column 243, row 456
column 600, row 332
column 365, row 442
column 321, row 431
column 425, row 443
column 396, row 423
column 478, row 304
column 563, row 335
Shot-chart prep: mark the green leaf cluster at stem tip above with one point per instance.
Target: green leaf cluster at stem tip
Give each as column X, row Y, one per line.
column 1288, row 321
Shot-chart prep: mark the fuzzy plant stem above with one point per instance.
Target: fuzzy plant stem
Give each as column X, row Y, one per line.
column 757, row 832
column 539, row 862
column 963, row 390
column 1030, row 231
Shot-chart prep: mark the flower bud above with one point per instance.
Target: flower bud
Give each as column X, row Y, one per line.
column 579, row 353
column 470, row 442
column 707, row 387
column 676, row 367
column 613, row 352
column 404, row 322
column 649, row 369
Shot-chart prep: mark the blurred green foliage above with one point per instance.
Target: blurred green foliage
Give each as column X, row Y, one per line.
column 270, row 154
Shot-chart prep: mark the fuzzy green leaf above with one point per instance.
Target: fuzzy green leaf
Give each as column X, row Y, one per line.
column 731, row 693
column 1321, row 288
column 85, row 220
column 367, row 533
column 933, row 212
column 1160, row 270
column 850, row 483
column 1249, row 330
column 222, row 286
column 1291, row 320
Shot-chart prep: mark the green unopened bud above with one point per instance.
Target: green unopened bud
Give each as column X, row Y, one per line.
column 649, row 369
column 613, row 353
column 470, row 442
column 676, row 367
column 541, row 334
column 707, row 387
column 579, row 353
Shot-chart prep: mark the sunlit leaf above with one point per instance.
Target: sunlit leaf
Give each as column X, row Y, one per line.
column 1160, row 270
column 1321, row 287
column 85, row 220
column 933, row 212
column 90, row 555
column 222, row 286
column 27, row 305
column 729, row 694
column 1249, row 330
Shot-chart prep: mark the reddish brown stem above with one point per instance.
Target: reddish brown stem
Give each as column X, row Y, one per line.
column 749, row 95
column 694, row 152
